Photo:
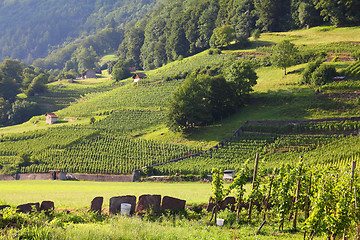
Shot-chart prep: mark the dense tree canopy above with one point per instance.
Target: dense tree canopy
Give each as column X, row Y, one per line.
column 222, row 36
column 31, row 29
column 203, row 99
column 176, row 29
column 120, row 70
column 15, row 78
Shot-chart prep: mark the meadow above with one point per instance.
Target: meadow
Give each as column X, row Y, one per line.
column 78, row 194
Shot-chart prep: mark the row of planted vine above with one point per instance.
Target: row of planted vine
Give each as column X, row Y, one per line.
column 107, row 153
column 305, row 127
column 127, row 120
column 275, row 150
column 154, row 96
column 36, row 141
column 320, row 200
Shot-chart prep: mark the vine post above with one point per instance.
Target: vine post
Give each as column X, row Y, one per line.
column 298, row 185
column 307, row 198
column 253, row 183
column 218, row 192
column 353, row 166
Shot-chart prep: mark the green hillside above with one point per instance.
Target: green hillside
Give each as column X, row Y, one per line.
column 116, row 127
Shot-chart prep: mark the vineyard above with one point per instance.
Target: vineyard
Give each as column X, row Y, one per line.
column 61, row 94
column 274, row 151
column 104, row 127
column 130, row 120
column 178, row 68
column 324, row 127
column 320, row 200
column 353, row 70
column 101, row 148
column 153, row 96
column 106, row 153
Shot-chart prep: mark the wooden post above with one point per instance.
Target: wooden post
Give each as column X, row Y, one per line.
column 268, row 197
column 297, row 196
column 253, row 184
column 307, row 199
column 353, row 166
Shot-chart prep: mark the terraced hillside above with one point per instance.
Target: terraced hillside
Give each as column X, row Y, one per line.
column 118, row 127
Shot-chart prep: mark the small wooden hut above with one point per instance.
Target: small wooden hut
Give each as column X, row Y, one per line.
column 51, row 118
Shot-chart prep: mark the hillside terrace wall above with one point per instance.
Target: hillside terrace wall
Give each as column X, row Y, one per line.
column 81, row 177
column 286, row 122
column 104, row 178
column 238, row 132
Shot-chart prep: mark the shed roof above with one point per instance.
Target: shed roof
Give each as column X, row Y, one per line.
column 51, row 115
column 139, row 75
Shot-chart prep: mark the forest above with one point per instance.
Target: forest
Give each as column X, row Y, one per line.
column 178, row 29
column 32, row 29
column 150, row 33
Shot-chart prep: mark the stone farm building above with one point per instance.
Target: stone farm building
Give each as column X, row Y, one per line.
column 90, row 73
column 51, row 118
column 138, row 76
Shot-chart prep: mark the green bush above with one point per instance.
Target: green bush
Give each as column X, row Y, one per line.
column 310, row 68
column 356, row 55
column 323, row 74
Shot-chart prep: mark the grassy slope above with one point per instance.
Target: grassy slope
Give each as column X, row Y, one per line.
column 275, row 97
column 316, row 35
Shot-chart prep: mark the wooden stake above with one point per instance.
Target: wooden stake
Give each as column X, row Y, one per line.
column 297, row 197
column 263, row 223
column 268, row 197
column 307, row 199
column 353, row 166
column 253, row 183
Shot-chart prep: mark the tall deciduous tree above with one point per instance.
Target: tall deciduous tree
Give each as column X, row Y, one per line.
column 189, row 105
column 203, row 98
column 86, row 58
column 12, row 69
column 176, row 42
column 284, row 54
column 130, row 48
column 339, row 12
column 222, row 36
column 274, row 15
column 38, row 85
column 241, row 77
column 207, row 24
column 120, row 70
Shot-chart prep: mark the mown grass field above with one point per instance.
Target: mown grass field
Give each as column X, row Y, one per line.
column 78, row 194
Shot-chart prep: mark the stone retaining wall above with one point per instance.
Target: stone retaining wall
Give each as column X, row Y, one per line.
column 104, row 178
column 286, row 122
column 7, row 177
column 83, row 177
column 33, row 176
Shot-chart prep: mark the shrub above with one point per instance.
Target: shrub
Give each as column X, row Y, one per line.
column 308, row 56
column 356, row 55
column 323, row 74
column 310, row 68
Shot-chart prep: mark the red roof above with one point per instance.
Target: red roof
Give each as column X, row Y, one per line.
column 51, row 115
column 139, row 75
